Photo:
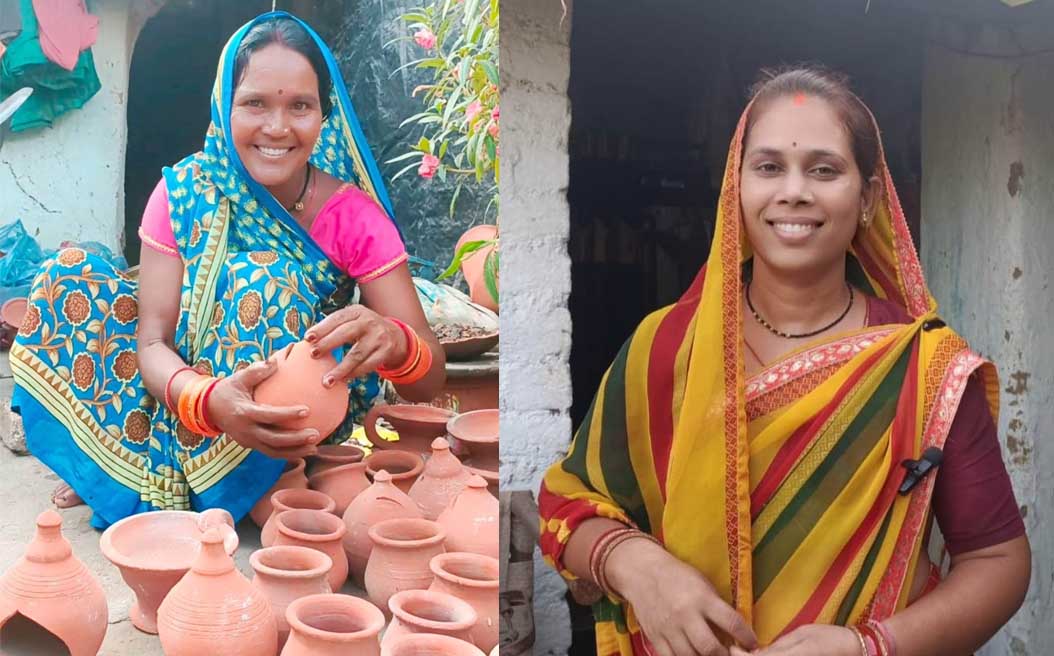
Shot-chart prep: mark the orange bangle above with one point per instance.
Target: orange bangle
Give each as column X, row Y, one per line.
column 413, row 345
column 419, row 370
column 188, row 401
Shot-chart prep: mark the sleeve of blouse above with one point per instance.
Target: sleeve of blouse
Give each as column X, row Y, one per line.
column 973, row 498
column 368, row 242
column 156, row 227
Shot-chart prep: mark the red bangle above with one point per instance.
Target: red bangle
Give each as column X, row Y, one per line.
column 203, row 413
column 411, row 352
column 168, row 387
column 599, row 542
column 887, row 646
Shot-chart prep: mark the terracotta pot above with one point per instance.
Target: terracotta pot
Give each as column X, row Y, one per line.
column 154, row 550
column 342, row 484
column 478, row 432
column 298, row 381
column 474, row 579
column 292, row 478
column 294, row 499
column 14, row 311
column 472, row 265
column 333, row 455
column 417, row 426
column 492, row 477
column 428, row 611
column 429, row 644
column 215, row 610
column 319, row 530
column 443, row 478
column 285, row 574
column 333, row 625
column 404, row 466
column 379, row 502
column 402, row 549
column 471, row 520
column 51, row 587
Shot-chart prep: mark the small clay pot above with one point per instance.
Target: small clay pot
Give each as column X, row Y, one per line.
column 428, row 611
column 285, row 574
column 474, row 579
column 379, row 502
column 333, row 455
column 471, row 520
column 294, row 499
column 298, row 381
column 52, row 588
column 402, row 549
column 342, row 484
column 472, row 265
column 333, row 625
column 13, row 311
column 429, row 644
column 404, row 466
column 478, row 432
column 319, row 530
column 443, row 478
column 216, row 610
column 417, row 426
column 292, row 477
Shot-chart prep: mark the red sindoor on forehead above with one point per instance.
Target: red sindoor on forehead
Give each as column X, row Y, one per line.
column 799, row 98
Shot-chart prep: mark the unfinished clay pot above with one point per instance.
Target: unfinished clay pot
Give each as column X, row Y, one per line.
column 379, row 502
column 428, row 611
column 333, row 455
column 215, row 610
column 417, row 426
column 342, row 484
column 292, row 477
column 474, row 579
column 471, row 520
column 402, row 549
column 443, row 478
column 154, row 550
column 298, row 381
column 293, row 499
column 472, row 265
column 333, row 625
column 51, row 587
column 478, row 432
column 429, row 644
column 404, row 466
column 319, row 530
column 285, row 574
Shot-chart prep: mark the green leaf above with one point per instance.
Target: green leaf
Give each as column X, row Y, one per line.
column 442, row 149
column 424, row 145
column 492, row 148
column 393, row 160
column 404, row 170
column 441, row 172
column 491, row 70
column 457, row 192
column 467, row 248
column 464, row 69
column 490, row 274
column 451, row 104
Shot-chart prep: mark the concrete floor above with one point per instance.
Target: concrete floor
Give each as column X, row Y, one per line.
column 26, row 486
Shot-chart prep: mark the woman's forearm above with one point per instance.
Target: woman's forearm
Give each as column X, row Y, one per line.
column 428, row 387
column 157, row 363
column 580, row 545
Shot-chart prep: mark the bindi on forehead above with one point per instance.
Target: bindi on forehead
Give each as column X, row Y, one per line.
column 799, row 98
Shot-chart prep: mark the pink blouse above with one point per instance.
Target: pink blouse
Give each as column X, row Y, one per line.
column 351, row 229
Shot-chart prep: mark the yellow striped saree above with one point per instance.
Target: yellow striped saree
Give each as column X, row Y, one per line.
column 781, row 489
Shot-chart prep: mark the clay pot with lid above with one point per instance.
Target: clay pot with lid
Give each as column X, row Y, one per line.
column 287, row 573
column 298, row 381
column 429, row 644
column 333, row 455
column 443, row 478
column 318, row 530
column 333, row 625
column 342, row 484
column 417, row 426
column 52, row 588
column 154, row 550
column 428, row 611
column 292, row 477
column 294, row 499
column 216, row 610
column 474, row 579
column 381, row 501
column 471, row 520
column 477, row 431
column 402, row 549
column 404, row 466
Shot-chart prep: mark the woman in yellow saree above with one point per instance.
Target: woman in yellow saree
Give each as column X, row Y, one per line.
column 755, row 433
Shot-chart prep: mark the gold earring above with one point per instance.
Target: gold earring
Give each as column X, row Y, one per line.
column 864, row 220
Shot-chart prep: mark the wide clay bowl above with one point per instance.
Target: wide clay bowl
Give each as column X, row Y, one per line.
column 14, row 311
column 154, row 550
column 417, row 426
column 468, row 348
column 478, row 431
column 298, row 381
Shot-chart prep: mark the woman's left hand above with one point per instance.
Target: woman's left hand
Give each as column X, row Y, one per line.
column 375, row 342
column 809, row 640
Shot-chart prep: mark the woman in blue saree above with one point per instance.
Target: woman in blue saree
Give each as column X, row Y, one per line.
column 255, row 242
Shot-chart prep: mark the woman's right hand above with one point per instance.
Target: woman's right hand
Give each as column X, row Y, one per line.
column 254, row 426
column 675, row 605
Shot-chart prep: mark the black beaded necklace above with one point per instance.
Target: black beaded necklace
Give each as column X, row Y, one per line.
column 298, row 204
column 814, row 333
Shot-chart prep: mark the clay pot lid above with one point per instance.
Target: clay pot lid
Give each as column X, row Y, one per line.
column 335, row 617
column 478, row 426
column 440, row 444
column 417, row 607
column 289, row 561
column 471, row 570
column 14, row 310
column 160, row 540
column 405, row 532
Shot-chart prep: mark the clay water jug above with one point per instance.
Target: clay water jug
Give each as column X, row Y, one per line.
column 287, row 573
column 474, row 579
column 443, row 478
column 402, row 549
column 379, row 502
column 294, row 499
column 333, row 625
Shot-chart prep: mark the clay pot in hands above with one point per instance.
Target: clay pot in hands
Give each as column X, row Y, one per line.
column 471, row 520
column 333, row 455
column 478, row 432
column 154, row 550
column 402, row 549
column 443, row 478
column 342, row 484
column 417, row 426
column 298, row 381
column 429, row 644
column 333, row 625
column 285, row 574
column 428, row 611
column 379, row 502
column 319, row 530
column 292, row 477
column 294, row 499
column 215, row 610
column 474, row 579
column 51, row 587
column 404, row 466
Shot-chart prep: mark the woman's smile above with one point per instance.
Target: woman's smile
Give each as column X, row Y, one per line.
column 795, row 230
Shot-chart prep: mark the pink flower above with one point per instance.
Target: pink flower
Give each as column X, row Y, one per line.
column 425, row 38
column 492, row 130
column 429, row 166
column 495, row 113
column 473, row 110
